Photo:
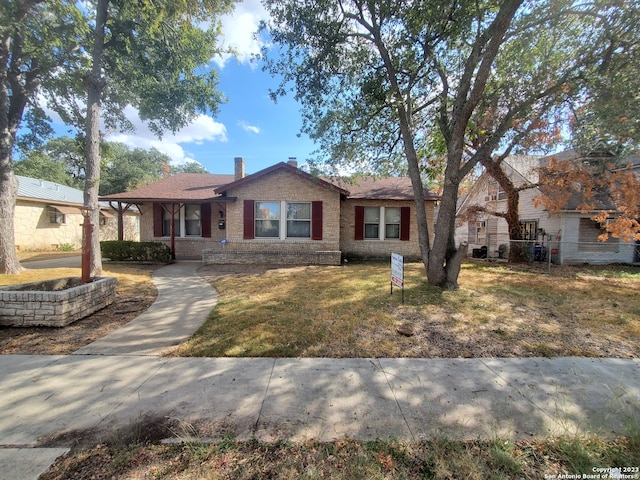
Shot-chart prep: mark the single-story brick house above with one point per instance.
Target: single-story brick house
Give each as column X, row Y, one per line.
column 281, row 214
column 47, row 216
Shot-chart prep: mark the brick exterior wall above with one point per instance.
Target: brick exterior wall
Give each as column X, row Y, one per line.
column 380, row 248
column 186, row 247
column 285, row 186
column 338, row 224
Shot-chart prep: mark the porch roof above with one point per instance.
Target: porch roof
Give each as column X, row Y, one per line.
column 183, row 187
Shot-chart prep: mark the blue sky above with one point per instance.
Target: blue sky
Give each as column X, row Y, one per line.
column 249, row 125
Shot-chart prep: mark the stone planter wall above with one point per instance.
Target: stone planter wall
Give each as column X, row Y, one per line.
column 54, row 303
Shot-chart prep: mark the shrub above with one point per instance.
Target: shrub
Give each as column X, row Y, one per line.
column 120, row 251
column 66, row 247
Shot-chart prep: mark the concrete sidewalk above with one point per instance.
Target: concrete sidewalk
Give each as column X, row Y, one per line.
column 115, row 383
column 183, row 305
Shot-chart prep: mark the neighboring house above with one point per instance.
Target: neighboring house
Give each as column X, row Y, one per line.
column 569, row 235
column 47, row 216
column 278, row 215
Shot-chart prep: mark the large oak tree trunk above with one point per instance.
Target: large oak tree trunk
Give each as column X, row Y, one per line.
column 512, row 213
column 95, row 87
column 13, row 101
column 445, row 258
column 9, row 262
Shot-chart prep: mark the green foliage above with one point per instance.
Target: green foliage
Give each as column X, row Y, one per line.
column 157, row 58
column 41, row 41
column 66, row 247
column 606, row 114
column 188, row 167
column 135, row 251
column 380, row 82
column 125, row 169
column 40, row 165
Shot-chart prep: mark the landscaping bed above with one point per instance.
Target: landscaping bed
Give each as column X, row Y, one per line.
column 135, row 292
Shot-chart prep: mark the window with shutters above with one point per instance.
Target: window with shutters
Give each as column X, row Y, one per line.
column 392, row 223
column 372, row 223
column 187, row 220
column 382, row 223
column 166, row 220
column 282, row 220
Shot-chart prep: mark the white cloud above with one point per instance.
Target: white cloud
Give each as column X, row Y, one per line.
column 249, row 128
column 202, row 129
column 239, row 31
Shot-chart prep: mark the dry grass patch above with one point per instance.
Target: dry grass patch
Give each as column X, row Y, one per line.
column 348, row 312
column 135, row 292
column 438, row 459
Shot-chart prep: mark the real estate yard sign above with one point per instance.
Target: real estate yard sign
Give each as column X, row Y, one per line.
column 397, row 272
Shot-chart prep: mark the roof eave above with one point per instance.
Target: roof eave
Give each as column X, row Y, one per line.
column 217, row 198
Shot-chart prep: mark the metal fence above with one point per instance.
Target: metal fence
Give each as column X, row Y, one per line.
column 553, row 251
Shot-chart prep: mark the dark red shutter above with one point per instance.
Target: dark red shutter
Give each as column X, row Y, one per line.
column 205, row 218
column 157, row 220
column 316, row 220
column 249, row 216
column 405, row 222
column 359, row 235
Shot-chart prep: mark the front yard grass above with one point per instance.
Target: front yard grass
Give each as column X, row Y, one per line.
column 348, row 311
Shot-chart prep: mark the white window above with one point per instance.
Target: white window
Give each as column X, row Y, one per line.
column 167, row 208
column 372, row 223
column 267, row 220
column 382, row 223
column 392, row 223
column 299, row 220
column 56, row 216
column 186, row 220
column 495, row 191
column 192, row 220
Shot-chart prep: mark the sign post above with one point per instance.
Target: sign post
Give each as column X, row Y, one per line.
column 397, row 273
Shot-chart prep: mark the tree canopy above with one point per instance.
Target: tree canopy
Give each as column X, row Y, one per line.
column 88, row 62
column 378, row 80
column 61, row 160
column 38, row 39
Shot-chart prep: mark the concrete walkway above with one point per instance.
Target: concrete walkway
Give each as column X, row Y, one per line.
column 183, row 304
column 118, row 382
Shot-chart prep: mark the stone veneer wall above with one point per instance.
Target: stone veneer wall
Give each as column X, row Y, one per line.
column 20, row 307
column 34, row 231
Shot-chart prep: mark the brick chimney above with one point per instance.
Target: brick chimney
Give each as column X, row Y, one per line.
column 293, row 162
column 239, row 170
